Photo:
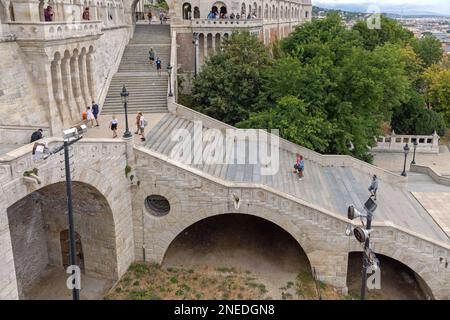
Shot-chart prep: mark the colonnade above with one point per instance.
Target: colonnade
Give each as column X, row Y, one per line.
column 72, row 78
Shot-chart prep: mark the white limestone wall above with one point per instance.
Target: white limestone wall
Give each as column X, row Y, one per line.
column 19, row 104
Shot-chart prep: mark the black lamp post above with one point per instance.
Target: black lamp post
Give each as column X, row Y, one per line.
column 196, row 43
column 405, row 151
column 169, row 71
column 124, row 94
column 414, row 155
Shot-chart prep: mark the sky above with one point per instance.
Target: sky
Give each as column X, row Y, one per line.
column 439, row 6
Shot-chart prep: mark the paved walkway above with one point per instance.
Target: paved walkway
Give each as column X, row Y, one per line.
column 437, row 204
column 394, row 161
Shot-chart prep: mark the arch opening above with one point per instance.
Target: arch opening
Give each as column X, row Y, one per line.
column 39, row 239
column 397, row 281
column 245, row 243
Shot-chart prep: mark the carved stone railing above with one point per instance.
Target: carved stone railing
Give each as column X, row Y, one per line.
column 395, row 143
column 324, row 160
column 32, row 31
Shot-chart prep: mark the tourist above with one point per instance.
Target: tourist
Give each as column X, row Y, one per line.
column 90, row 116
column 142, row 125
column 48, row 14
column 151, row 56
column 36, row 135
column 138, row 117
column 95, row 112
column 374, row 187
column 113, row 126
column 158, row 66
column 297, row 163
column 86, row 14
column 161, row 16
column 302, row 168
column 150, row 16
column 211, row 15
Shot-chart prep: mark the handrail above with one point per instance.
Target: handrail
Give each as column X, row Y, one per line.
column 436, row 176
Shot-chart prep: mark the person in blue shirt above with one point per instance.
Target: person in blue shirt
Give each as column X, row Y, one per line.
column 158, row 66
column 95, row 112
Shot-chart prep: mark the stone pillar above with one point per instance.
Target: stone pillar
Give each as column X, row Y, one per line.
column 60, row 11
column 64, row 109
column 26, row 10
column 68, row 91
column 76, row 84
column 205, row 47
column 213, row 43
column 84, row 79
column 91, row 76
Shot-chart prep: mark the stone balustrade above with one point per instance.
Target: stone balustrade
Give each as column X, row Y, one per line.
column 395, row 143
column 32, row 31
column 228, row 23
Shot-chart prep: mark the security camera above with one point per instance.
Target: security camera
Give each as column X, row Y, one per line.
column 361, row 234
column 353, row 213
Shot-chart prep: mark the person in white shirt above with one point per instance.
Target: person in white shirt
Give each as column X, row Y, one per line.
column 90, row 116
column 142, row 124
column 113, row 126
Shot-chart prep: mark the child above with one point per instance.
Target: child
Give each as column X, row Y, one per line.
column 90, row 116
column 113, row 126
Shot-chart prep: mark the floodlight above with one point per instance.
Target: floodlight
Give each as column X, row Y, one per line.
column 353, row 213
column 361, row 234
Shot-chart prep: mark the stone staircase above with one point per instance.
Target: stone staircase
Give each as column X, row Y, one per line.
column 330, row 187
column 147, row 90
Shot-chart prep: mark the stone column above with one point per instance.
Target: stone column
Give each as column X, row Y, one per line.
column 76, row 84
column 213, row 43
column 91, row 76
column 64, row 109
column 84, row 79
column 205, row 47
column 68, row 91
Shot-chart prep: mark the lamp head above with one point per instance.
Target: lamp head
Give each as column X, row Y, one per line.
column 361, row 234
column 353, row 213
column 124, row 94
column 406, row 149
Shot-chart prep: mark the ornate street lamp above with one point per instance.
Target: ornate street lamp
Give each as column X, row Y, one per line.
column 169, row 71
column 414, row 155
column 405, row 151
column 124, row 95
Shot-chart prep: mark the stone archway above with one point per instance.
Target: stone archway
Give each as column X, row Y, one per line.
column 35, row 224
column 243, row 242
column 396, row 280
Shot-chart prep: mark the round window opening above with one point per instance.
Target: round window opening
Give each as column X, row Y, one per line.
column 157, row 205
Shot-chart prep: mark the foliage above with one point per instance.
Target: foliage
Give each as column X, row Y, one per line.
column 230, row 81
column 297, row 123
column 412, row 118
column 30, row 172
column 127, row 170
column 437, row 82
column 390, row 31
column 428, row 49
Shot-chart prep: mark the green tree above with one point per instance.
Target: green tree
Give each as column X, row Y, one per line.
column 437, row 80
column 297, row 123
column 428, row 49
column 230, row 81
column 390, row 31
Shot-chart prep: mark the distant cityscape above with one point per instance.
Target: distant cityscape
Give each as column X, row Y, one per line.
column 438, row 26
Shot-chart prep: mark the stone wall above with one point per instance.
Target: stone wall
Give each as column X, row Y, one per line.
column 19, row 105
column 28, row 238
column 98, row 163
